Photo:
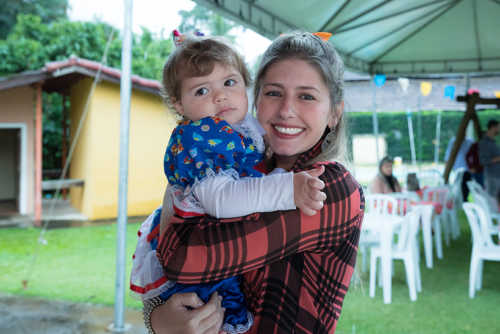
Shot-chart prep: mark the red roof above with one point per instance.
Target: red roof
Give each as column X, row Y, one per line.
column 95, row 66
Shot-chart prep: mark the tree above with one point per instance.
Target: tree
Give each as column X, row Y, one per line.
column 207, row 21
column 32, row 43
column 47, row 10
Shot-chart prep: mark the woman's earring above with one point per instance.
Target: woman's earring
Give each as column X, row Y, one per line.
column 329, row 139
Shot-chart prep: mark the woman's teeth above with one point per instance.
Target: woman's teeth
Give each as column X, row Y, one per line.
column 288, row 131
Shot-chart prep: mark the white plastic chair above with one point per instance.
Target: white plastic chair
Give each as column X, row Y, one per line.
column 483, row 202
column 430, row 178
column 375, row 203
column 491, row 203
column 411, row 200
column 447, row 217
column 405, row 249
column 483, row 247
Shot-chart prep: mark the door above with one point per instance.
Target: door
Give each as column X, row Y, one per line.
column 9, row 171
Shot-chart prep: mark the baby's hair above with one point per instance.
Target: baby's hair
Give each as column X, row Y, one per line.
column 322, row 55
column 197, row 56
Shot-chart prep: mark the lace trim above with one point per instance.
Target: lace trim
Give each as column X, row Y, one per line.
column 249, row 127
column 240, row 328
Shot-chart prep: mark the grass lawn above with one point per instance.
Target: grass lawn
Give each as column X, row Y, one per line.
column 78, row 264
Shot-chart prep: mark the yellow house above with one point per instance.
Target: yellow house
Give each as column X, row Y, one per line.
column 94, row 137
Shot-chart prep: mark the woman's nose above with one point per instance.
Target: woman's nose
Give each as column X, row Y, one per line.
column 287, row 109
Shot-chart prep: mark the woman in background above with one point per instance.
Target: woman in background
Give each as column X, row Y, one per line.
column 385, row 182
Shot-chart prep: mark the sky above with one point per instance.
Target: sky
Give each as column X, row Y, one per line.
column 157, row 15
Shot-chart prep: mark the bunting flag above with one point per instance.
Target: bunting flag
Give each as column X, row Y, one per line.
column 404, row 83
column 449, row 91
column 379, row 80
column 497, row 94
column 425, row 88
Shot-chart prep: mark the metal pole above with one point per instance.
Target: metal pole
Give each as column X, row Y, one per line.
column 375, row 119
column 412, row 138
column 438, row 137
column 121, row 228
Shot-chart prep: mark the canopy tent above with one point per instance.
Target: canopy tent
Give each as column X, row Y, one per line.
column 393, row 37
column 386, row 36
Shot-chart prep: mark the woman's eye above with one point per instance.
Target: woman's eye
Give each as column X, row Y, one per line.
column 307, row 97
column 272, row 93
column 201, row 91
column 230, row 82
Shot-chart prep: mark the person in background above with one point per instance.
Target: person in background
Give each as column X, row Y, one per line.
column 461, row 162
column 385, row 182
column 489, row 157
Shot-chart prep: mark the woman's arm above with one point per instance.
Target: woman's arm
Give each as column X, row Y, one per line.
column 208, row 249
column 377, row 185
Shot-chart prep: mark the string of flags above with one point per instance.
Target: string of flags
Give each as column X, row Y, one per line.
column 425, row 86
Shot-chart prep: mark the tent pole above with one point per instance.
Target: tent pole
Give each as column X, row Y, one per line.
column 438, row 138
column 412, row 138
column 118, row 325
column 375, row 119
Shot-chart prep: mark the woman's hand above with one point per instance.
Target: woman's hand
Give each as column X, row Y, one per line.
column 307, row 192
column 174, row 316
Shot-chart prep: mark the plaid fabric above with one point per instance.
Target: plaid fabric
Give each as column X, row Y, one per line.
column 296, row 269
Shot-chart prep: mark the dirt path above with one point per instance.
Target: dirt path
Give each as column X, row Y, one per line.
column 20, row 315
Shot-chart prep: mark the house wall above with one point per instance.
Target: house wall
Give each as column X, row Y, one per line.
column 96, row 159
column 17, row 105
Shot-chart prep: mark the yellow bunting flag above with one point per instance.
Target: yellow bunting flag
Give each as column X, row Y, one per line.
column 425, row 88
column 497, row 94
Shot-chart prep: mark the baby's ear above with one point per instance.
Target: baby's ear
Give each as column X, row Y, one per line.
column 178, row 107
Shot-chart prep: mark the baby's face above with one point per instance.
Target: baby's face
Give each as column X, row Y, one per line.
column 221, row 93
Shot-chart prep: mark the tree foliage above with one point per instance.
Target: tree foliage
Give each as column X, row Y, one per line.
column 31, row 44
column 47, row 10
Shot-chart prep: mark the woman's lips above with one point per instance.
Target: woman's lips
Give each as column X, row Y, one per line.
column 287, row 131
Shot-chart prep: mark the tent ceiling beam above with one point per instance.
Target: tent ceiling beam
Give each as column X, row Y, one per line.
column 363, row 13
column 240, row 17
column 383, row 18
column 332, row 18
column 476, row 29
column 448, row 7
column 377, row 39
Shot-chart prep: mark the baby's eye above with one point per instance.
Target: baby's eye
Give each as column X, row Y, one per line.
column 230, row 82
column 307, row 97
column 201, row 91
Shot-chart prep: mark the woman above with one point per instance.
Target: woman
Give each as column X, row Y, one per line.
column 385, row 182
column 296, row 268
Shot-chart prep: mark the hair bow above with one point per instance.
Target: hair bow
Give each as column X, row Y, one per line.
column 179, row 38
column 325, row 36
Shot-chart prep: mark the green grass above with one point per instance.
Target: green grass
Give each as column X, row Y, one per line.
column 78, row 264
column 443, row 306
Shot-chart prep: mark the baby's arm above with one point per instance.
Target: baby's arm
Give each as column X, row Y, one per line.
column 225, row 197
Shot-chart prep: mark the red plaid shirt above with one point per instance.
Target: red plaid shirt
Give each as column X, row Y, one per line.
column 296, row 268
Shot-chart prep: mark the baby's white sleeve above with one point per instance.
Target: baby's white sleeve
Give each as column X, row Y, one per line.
column 224, row 197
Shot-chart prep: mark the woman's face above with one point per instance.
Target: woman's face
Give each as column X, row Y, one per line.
column 294, row 107
column 386, row 168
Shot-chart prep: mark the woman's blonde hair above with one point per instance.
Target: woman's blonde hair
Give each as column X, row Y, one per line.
column 322, row 55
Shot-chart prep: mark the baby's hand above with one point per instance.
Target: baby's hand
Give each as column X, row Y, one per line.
column 307, row 192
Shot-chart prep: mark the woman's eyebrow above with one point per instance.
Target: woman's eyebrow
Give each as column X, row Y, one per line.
column 275, row 84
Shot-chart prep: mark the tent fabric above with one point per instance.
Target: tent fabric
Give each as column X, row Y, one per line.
column 386, row 36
